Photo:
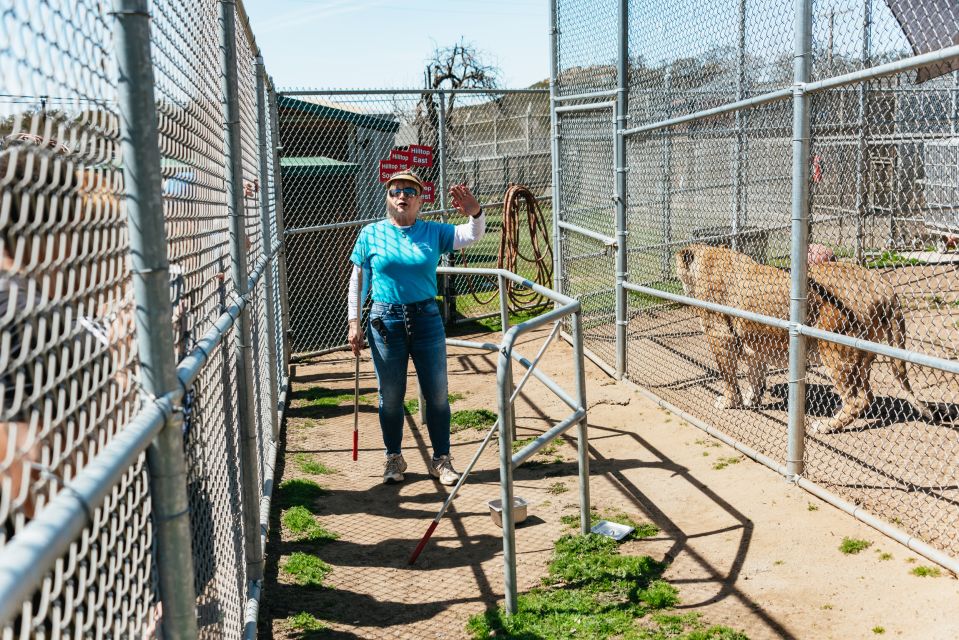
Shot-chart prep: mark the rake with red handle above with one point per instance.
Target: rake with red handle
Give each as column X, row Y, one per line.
column 479, row 451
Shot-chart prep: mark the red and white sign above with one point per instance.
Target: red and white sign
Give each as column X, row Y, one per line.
column 428, row 192
column 401, row 156
column 389, row 167
column 421, row 155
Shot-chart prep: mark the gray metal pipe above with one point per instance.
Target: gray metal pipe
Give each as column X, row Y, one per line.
column 591, row 106
column 945, row 54
column 621, row 194
column 606, row 240
column 140, row 147
column 555, row 146
column 267, row 234
column 246, row 408
column 449, row 305
column 417, row 92
column 538, row 288
column 609, row 93
column 504, row 379
column 739, row 208
column 27, row 557
column 802, row 65
column 560, row 428
column 280, row 228
column 666, row 266
column 579, row 375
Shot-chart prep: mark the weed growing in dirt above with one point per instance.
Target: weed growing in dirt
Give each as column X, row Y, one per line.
column 306, row 622
column 548, row 450
column 591, row 592
column 885, row 556
column 471, row 419
column 454, row 397
column 853, row 545
column 311, row 466
column 878, row 630
column 812, row 507
column 306, row 569
column 826, row 607
column 707, row 443
column 890, row 259
column 722, row 463
column 557, row 488
column 926, row 572
column 323, row 397
column 304, row 526
column 411, row 406
column 299, row 493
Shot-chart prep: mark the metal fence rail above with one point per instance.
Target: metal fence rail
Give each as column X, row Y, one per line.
column 142, row 279
column 785, row 233
column 333, row 142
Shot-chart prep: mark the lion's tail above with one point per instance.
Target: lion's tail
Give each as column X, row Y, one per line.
column 895, row 325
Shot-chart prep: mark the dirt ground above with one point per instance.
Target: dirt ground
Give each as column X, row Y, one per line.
column 746, row 548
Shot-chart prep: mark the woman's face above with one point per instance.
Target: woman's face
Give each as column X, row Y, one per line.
column 403, row 205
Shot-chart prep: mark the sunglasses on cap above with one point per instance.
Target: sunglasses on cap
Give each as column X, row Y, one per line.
column 410, row 191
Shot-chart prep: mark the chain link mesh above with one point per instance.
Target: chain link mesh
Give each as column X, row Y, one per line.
column 68, row 363
column 883, row 184
column 332, row 146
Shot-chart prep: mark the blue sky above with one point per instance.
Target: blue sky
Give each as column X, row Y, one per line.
column 346, row 44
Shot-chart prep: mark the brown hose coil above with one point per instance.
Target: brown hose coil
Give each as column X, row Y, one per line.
column 537, row 267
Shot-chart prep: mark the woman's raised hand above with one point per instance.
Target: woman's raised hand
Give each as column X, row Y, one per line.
column 464, row 200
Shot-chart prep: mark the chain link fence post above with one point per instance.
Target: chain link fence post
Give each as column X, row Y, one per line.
column 449, row 303
column 150, row 271
column 261, row 119
column 280, row 228
column 622, row 113
column 554, row 146
column 802, row 64
column 246, row 409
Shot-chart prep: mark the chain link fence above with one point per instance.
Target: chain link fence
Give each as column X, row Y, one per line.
column 140, row 312
column 783, row 236
column 338, row 146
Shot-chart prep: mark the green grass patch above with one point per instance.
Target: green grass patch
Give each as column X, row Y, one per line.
column 890, row 259
column 643, row 301
column 592, row 592
column 306, row 569
column 853, row 545
column 926, row 572
column 878, row 630
column 883, row 555
column 548, row 449
column 323, row 397
column 411, row 406
column 471, row 419
column 557, row 488
column 311, row 466
column 640, row 529
column 455, row 397
column 304, row 526
column 812, row 507
column 493, row 323
column 722, row 463
column 299, row 492
column 306, row 622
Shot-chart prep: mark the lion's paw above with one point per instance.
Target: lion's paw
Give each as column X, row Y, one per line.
column 722, row 402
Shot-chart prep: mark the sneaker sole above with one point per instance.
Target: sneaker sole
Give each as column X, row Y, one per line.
column 393, row 479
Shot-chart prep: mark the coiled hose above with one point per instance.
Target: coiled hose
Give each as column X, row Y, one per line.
column 537, row 267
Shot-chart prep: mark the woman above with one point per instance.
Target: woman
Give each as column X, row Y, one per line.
column 402, row 252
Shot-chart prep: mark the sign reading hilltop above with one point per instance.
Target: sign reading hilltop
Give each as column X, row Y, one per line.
column 413, row 157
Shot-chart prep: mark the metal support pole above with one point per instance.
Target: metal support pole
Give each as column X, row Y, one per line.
column 261, row 119
column 150, row 270
column 862, row 148
column 504, row 379
column 504, row 327
column 449, row 305
column 280, row 229
column 582, row 449
column 739, row 153
column 246, row 413
column 800, row 239
column 529, row 124
column 666, row 259
column 555, row 148
column 622, row 112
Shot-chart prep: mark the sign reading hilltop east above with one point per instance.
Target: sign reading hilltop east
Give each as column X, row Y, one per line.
column 421, row 156
column 428, row 192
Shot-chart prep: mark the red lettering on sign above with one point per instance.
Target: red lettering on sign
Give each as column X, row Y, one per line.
column 428, row 192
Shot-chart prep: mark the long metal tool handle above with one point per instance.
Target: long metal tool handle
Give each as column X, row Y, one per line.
column 479, row 450
column 356, row 411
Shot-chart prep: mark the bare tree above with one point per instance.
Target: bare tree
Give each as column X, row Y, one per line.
column 459, row 66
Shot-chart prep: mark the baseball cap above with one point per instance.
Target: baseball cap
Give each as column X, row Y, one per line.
column 405, row 175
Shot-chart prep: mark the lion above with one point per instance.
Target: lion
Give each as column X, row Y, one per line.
column 842, row 298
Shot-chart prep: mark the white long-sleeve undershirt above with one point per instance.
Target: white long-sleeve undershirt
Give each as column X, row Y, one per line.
column 463, row 236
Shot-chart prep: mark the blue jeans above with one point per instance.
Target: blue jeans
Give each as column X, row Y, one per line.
column 396, row 333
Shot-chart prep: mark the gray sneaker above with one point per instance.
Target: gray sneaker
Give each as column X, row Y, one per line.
column 442, row 468
column 394, row 467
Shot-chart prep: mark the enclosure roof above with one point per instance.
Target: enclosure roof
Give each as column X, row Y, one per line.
column 325, row 109
column 316, row 166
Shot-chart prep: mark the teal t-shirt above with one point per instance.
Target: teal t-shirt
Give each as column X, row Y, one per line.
column 403, row 261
